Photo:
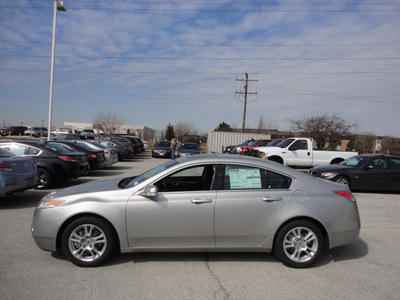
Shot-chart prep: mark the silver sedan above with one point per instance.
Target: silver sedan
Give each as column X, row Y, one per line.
column 200, row 203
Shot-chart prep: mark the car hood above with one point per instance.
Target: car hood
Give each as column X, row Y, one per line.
column 332, row 168
column 91, row 187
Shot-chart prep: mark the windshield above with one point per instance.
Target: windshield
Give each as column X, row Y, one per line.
column 59, row 148
column 134, row 181
column 274, row 143
column 163, row 144
column 189, row 146
column 285, row 143
column 355, row 161
column 5, row 153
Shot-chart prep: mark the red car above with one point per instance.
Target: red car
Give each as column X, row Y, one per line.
column 14, row 130
column 256, row 143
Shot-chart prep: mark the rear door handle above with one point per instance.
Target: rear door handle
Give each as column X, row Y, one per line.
column 201, row 201
column 272, row 199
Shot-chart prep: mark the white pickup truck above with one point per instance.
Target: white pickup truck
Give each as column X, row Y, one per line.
column 299, row 152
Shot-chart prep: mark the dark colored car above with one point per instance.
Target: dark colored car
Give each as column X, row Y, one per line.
column 162, row 149
column 95, row 157
column 123, row 151
column 70, row 136
column 14, row 130
column 17, row 173
column 54, row 162
column 370, row 172
column 188, row 148
column 123, row 141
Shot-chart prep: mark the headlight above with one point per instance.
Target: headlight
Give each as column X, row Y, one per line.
column 238, row 149
column 49, row 203
column 327, row 174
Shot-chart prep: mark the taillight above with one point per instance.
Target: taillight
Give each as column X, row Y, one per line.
column 348, row 195
column 68, row 158
column 94, row 155
column 126, row 147
column 5, row 167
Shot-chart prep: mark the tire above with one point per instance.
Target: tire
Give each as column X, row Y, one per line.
column 299, row 244
column 88, row 241
column 342, row 179
column 44, row 179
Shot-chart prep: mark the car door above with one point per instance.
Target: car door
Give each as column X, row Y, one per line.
column 249, row 203
column 180, row 216
column 393, row 180
column 372, row 176
column 299, row 154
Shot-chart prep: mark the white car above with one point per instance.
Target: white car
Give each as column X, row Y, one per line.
column 61, row 130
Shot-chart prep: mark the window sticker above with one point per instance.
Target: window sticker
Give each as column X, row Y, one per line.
column 245, row 179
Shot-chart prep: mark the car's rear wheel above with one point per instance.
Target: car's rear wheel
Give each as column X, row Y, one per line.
column 44, row 179
column 88, row 241
column 299, row 244
column 342, row 180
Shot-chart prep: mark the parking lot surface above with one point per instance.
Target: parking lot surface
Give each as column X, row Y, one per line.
column 367, row 269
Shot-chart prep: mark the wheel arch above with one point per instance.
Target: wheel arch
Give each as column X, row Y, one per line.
column 304, row 218
column 277, row 159
column 82, row 215
column 336, row 160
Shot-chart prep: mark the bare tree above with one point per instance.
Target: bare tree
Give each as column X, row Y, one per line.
column 390, row 145
column 185, row 128
column 323, row 128
column 109, row 123
column 365, row 142
column 264, row 124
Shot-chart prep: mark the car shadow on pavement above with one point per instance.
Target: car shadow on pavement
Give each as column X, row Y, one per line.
column 356, row 250
column 26, row 199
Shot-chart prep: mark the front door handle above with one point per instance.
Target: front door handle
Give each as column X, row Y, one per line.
column 201, row 201
column 272, row 199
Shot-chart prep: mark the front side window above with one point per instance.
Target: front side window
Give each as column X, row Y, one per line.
column 199, row 178
column 239, row 177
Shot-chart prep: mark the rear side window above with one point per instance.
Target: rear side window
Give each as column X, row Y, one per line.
column 394, row 163
column 238, row 177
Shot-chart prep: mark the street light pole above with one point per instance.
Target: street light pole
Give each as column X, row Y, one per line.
column 58, row 5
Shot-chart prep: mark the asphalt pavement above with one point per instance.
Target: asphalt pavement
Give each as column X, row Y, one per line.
column 366, row 269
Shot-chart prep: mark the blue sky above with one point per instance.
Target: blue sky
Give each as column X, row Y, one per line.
column 167, row 61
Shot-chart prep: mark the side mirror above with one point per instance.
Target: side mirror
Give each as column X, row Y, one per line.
column 370, row 167
column 150, row 191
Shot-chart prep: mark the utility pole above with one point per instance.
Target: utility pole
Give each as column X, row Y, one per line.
column 245, row 93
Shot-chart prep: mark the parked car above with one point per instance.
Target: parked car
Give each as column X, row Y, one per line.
column 70, row 136
column 299, row 152
column 162, row 149
column 256, row 153
column 146, row 145
column 110, row 153
column 36, row 131
column 232, row 149
column 200, row 203
column 123, row 151
column 54, row 163
column 89, row 133
column 96, row 157
column 14, row 130
column 246, row 150
column 188, row 148
column 61, row 130
column 136, row 143
column 370, row 172
column 123, row 141
column 17, row 174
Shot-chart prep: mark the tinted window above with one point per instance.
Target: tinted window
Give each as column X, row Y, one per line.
column 394, row 163
column 238, row 177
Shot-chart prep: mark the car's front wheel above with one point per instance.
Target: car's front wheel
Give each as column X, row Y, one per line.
column 342, row 180
column 299, row 244
column 88, row 241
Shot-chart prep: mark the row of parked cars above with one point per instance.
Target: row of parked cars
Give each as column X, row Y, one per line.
column 39, row 132
column 40, row 164
column 163, row 149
